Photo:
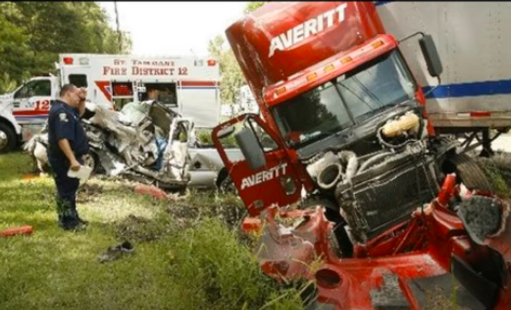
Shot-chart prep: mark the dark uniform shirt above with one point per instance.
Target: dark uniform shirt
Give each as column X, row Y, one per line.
column 64, row 123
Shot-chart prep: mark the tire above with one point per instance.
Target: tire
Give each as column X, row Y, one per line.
column 91, row 160
column 468, row 172
column 497, row 168
column 224, row 182
column 6, row 132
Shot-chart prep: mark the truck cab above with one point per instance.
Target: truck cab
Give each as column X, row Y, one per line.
column 31, row 101
column 28, row 106
column 324, row 82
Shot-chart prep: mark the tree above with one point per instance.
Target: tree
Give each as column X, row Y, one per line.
column 32, row 34
column 14, row 49
column 232, row 77
column 252, row 6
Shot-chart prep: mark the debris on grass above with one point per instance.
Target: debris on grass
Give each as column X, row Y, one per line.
column 150, row 190
column 23, row 230
column 116, row 252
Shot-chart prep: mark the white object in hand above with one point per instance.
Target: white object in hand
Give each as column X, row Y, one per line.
column 83, row 173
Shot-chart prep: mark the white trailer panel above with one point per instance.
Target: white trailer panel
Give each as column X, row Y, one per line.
column 473, row 40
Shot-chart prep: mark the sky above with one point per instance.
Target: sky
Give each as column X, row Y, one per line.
column 174, row 28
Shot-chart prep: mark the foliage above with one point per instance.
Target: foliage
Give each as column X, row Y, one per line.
column 252, row 6
column 232, row 77
column 204, row 137
column 32, row 34
column 224, row 274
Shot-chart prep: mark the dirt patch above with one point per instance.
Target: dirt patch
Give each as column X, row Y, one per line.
column 188, row 212
column 182, row 212
column 89, row 192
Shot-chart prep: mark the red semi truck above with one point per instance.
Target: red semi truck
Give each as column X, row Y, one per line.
column 345, row 167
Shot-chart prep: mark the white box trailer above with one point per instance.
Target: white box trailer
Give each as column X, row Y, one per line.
column 188, row 85
column 473, row 40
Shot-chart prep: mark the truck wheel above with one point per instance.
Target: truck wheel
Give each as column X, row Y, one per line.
column 497, row 168
column 224, row 182
column 7, row 138
column 468, row 172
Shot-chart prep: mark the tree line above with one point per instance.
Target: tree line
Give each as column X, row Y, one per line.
column 232, row 77
column 32, row 34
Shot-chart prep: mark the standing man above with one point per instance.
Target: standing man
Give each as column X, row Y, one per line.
column 67, row 144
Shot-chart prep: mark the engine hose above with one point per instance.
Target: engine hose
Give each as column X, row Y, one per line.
column 329, row 176
column 352, row 164
column 373, row 160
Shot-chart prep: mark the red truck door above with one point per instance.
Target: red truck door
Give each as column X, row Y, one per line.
column 274, row 183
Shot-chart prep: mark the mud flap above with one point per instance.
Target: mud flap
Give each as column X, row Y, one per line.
column 488, row 222
column 481, row 216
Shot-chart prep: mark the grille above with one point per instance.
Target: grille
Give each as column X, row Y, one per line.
column 388, row 194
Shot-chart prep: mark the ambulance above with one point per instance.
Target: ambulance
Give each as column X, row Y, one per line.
column 188, row 85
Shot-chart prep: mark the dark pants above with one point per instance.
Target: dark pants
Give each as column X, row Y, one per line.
column 66, row 194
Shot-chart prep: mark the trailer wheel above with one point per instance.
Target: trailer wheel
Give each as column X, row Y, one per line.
column 468, row 172
column 7, row 138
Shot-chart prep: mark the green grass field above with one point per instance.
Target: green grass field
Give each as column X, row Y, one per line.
column 186, row 257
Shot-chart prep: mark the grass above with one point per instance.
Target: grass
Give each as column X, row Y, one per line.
column 186, row 255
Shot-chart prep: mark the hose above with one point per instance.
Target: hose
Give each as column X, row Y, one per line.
column 352, row 164
column 330, row 175
column 372, row 160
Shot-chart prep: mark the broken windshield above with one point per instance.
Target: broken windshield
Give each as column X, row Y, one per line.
column 346, row 100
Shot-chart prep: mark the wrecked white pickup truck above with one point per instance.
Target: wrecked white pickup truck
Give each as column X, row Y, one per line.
column 145, row 142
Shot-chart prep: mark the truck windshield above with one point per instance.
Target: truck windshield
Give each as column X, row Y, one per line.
column 345, row 101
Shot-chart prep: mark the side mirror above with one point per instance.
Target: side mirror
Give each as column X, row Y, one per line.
column 431, row 56
column 254, row 154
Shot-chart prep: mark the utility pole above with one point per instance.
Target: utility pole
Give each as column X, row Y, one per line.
column 118, row 28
